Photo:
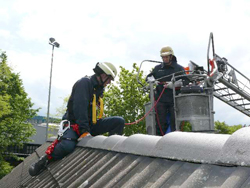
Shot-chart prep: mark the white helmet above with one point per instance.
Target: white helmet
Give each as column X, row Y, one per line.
column 107, row 68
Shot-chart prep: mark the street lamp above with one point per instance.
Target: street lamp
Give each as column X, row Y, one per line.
column 53, row 43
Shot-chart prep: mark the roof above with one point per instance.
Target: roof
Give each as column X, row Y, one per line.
column 177, row 159
column 39, row 137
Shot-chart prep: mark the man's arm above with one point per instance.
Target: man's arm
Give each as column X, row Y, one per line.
column 81, row 104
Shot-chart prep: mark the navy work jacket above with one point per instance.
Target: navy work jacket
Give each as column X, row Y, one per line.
column 165, row 70
column 79, row 108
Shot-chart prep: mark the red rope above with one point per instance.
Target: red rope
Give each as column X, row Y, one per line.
column 182, row 125
column 137, row 121
column 158, row 121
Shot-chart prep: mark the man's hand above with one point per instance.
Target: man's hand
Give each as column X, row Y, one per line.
column 177, row 84
column 151, row 79
column 168, row 85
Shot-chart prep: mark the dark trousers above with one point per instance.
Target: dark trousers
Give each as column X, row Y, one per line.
column 112, row 125
column 162, row 110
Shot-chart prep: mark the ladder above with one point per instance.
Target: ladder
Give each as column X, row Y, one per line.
column 233, row 87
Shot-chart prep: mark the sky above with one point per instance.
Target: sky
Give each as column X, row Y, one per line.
column 120, row 32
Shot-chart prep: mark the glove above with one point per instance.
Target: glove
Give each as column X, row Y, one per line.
column 84, row 135
column 150, row 79
column 168, row 85
column 83, row 130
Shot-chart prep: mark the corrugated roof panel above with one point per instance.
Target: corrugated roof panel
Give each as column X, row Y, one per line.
column 138, row 144
column 143, row 161
column 195, row 147
column 100, row 168
column 113, row 142
column 236, row 150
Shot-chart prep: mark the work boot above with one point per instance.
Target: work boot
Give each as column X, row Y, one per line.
column 37, row 167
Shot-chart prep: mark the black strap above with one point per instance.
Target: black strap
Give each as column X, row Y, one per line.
column 70, row 139
column 49, row 171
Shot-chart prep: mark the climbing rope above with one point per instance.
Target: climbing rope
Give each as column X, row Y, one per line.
column 137, row 121
column 158, row 121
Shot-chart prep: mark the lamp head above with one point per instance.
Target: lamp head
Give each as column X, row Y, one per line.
column 56, row 44
column 53, row 42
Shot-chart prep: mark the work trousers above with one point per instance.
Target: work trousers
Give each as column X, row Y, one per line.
column 112, row 125
column 162, row 110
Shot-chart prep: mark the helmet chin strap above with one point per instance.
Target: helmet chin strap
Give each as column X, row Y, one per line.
column 102, row 82
column 170, row 60
column 169, row 63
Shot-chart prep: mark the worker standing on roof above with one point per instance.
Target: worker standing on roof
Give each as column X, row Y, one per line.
column 165, row 105
column 82, row 116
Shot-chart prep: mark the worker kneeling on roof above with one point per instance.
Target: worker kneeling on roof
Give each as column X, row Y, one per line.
column 80, row 117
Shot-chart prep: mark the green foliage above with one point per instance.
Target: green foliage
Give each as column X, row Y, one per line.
column 223, row 128
column 62, row 109
column 220, row 127
column 5, row 167
column 125, row 99
column 234, row 128
column 15, row 110
column 186, row 126
column 53, row 129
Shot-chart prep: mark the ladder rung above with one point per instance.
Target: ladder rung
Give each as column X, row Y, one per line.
column 221, row 89
column 236, row 99
column 242, row 104
column 228, row 94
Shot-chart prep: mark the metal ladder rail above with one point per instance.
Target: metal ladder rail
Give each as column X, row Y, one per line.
column 233, row 104
column 227, row 95
column 231, row 89
column 234, row 80
column 235, row 95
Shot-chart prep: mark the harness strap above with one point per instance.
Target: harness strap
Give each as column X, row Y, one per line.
column 101, row 108
column 76, row 128
column 94, row 109
column 51, row 147
column 70, row 139
column 94, row 119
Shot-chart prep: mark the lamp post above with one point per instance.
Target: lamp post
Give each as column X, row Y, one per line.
column 53, row 43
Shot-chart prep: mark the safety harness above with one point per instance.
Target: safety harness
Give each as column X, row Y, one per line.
column 94, row 119
column 65, row 125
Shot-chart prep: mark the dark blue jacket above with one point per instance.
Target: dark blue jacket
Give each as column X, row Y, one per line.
column 79, row 108
column 165, row 70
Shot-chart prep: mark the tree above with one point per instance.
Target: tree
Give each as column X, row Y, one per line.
column 234, row 128
column 223, row 128
column 186, row 126
column 15, row 110
column 60, row 111
column 125, row 98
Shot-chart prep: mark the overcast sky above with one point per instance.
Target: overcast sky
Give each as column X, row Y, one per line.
column 121, row 32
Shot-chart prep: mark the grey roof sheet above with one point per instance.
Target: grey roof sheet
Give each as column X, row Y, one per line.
column 176, row 160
